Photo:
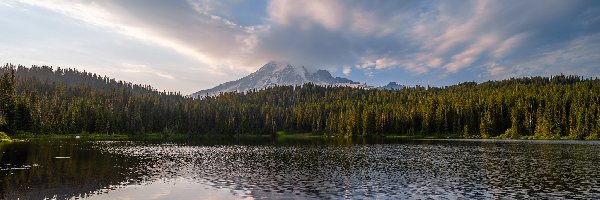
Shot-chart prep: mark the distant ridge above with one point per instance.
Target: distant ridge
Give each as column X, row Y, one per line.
column 278, row 73
column 392, row 86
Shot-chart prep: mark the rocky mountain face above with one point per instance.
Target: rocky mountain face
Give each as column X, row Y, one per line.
column 278, row 73
column 392, row 86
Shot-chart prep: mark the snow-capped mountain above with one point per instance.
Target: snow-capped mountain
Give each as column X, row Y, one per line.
column 392, row 86
column 278, row 73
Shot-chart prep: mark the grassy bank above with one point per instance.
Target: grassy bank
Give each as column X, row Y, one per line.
column 284, row 135
column 419, row 136
column 5, row 138
column 280, row 135
column 86, row 136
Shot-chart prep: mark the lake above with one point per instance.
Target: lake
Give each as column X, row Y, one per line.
column 300, row 169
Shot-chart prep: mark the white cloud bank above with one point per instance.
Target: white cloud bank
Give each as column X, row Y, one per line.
column 447, row 38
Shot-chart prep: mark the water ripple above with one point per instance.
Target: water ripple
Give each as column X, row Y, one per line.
column 423, row 169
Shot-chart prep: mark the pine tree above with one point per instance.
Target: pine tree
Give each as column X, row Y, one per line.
column 486, row 127
column 8, row 100
column 43, row 100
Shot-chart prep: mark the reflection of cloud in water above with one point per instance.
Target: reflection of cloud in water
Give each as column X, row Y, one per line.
column 179, row 188
column 60, row 169
column 413, row 169
column 405, row 169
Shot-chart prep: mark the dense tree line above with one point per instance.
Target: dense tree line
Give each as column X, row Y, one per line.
column 45, row 100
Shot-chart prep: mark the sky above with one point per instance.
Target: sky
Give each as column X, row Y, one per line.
column 189, row 45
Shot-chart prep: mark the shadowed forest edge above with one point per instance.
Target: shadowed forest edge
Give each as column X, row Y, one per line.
column 41, row 100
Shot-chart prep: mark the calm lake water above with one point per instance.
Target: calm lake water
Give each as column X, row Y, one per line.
column 303, row 169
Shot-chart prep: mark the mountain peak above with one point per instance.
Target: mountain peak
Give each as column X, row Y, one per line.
column 392, row 86
column 279, row 63
column 274, row 66
column 277, row 73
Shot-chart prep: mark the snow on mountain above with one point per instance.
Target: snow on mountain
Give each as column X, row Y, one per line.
column 278, row 73
column 392, row 86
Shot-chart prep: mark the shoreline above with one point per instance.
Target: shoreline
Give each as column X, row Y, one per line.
column 279, row 136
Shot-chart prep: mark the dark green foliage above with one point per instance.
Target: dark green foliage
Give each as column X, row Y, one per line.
column 7, row 101
column 66, row 101
column 23, row 119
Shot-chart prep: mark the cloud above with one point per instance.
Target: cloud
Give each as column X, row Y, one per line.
column 385, row 62
column 328, row 14
column 471, row 54
column 433, row 38
column 496, row 70
column 346, row 70
column 182, row 26
column 140, row 68
column 578, row 56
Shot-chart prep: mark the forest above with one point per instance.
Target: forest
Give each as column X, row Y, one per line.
column 43, row 100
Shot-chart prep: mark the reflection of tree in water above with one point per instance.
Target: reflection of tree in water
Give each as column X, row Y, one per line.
column 352, row 168
column 541, row 169
column 87, row 170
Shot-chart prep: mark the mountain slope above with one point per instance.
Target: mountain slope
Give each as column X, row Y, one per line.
column 277, row 73
column 392, row 86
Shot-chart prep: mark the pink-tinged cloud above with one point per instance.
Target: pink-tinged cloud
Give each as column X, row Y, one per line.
column 449, row 39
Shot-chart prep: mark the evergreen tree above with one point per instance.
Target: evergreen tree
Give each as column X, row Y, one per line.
column 43, row 100
column 8, row 99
